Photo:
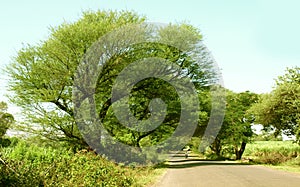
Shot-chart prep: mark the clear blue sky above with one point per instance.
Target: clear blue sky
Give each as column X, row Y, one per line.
column 252, row 41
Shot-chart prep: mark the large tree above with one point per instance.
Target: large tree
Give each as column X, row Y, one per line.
column 280, row 109
column 236, row 130
column 43, row 76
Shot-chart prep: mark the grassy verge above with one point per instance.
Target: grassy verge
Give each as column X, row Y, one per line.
column 150, row 178
column 32, row 165
column 282, row 155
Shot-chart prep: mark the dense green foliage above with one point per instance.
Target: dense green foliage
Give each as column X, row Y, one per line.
column 43, row 76
column 6, row 119
column 24, row 164
column 236, row 130
column 280, row 109
column 143, row 93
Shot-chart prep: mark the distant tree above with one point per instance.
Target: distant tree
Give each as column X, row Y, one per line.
column 6, row 119
column 266, row 136
column 236, row 130
column 280, row 109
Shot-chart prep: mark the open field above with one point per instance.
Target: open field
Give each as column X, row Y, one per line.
column 283, row 155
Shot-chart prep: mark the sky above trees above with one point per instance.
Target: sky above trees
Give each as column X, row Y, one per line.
column 253, row 42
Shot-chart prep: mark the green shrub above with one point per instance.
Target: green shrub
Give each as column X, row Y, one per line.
column 18, row 173
column 4, row 142
column 31, row 165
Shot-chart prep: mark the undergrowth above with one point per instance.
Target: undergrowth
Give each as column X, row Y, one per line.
column 27, row 164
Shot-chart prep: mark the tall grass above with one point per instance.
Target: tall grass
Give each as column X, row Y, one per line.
column 32, row 165
column 274, row 152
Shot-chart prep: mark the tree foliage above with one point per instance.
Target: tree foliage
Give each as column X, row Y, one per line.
column 6, row 119
column 236, row 130
column 43, row 77
column 148, row 89
column 280, row 109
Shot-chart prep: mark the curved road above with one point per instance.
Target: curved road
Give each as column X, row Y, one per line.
column 196, row 172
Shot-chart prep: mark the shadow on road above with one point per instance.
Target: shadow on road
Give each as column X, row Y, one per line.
column 203, row 163
column 193, row 161
column 183, row 156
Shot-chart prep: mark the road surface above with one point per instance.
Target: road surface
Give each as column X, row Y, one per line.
column 196, row 172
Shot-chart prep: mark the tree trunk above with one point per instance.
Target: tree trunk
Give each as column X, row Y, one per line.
column 216, row 147
column 239, row 152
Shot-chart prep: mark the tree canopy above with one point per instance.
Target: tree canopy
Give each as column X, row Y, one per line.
column 42, row 77
column 280, row 109
column 236, row 130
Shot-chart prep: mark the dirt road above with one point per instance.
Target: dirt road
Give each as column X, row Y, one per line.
column 195, row 172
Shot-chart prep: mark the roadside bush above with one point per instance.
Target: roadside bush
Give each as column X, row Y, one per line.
column 294, row 162
column 4, row 142
column 18, row 173
column 32, row 165
column 273, row 158
column 194, row 144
